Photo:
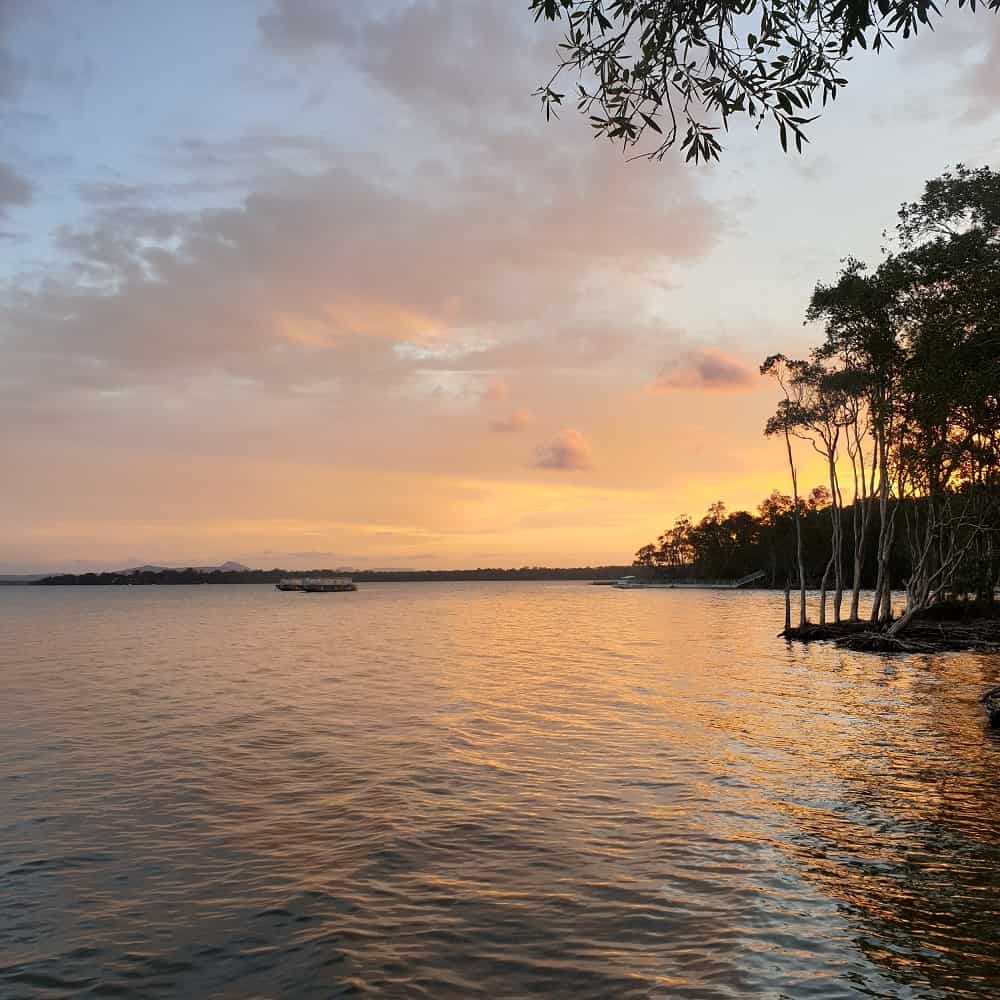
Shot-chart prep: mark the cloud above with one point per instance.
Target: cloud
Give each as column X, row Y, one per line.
column 293, row 25
column 326, row 277
column 968, row 48
column 485, row 55
column 10, row 69
column 360, row 270
column 979, row 85
column 569, row 451
column 703, row 368
column 496, row 390
column 14, row 189
column 251, row 293
column 519, row 420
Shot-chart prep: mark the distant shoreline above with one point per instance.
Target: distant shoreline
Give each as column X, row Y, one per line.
column 180, row 577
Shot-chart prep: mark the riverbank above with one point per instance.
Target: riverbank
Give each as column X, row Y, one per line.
column 950, row 627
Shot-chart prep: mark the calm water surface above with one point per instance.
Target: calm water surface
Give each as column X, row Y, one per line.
column 484, row 790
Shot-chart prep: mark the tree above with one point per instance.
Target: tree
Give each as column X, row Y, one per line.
column 948, row 279
column 789, row 415
column 681, row 70
column 860, row 312
column 774, row 519
column 909, row 377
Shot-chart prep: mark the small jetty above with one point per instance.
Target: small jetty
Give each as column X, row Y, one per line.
column 635, row 583
column 317, row 584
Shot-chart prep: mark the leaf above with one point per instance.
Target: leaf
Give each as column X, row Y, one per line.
column 651, row 122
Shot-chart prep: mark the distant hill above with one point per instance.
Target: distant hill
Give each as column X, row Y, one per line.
column 226, row 567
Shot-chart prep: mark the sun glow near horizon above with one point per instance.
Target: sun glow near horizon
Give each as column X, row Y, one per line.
column 419, row 327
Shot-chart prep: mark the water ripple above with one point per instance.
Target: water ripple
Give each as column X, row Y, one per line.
column 503, row 790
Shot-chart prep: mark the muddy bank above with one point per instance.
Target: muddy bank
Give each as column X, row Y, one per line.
column 942, row 628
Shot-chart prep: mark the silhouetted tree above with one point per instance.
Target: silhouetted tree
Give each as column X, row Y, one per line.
column 909, row 375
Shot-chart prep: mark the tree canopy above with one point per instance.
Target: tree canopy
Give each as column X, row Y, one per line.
column 910, row 369
column 901, row 399
column 681, row 69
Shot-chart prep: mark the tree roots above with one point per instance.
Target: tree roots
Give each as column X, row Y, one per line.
column 920, row 636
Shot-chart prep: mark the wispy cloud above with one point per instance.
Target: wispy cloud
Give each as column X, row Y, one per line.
column 14, row 189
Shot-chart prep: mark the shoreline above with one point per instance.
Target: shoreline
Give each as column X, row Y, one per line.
column 935, row 631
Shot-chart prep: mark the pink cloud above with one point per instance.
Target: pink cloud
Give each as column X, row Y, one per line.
column 569, row 450
column 519, row 420
column 703, row 368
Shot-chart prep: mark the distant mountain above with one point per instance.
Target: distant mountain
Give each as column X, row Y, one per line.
column 226, row 567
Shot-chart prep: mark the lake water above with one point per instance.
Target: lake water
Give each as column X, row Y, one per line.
column 484, row 790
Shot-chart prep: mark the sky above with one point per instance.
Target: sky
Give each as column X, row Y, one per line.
column 305, row 283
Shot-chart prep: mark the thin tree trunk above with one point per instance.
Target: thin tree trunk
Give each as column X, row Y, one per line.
column 860, row 519
column 884, row 540
column 822, row 591
column 798, row 532
column 835, row 514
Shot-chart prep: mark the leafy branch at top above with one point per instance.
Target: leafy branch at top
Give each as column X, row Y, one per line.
column 680, row 69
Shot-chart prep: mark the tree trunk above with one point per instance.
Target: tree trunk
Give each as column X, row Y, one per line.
column 860, row 519
column 879, row 611
column 856, row 589
column 836, row 559
column 822, row 593
column 798, row 531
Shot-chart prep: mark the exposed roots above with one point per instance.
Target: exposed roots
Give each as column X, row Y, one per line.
column 920, row 636
column 880, row 642
column 991, row 702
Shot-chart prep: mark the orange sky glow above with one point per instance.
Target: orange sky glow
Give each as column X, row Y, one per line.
column 327, row 300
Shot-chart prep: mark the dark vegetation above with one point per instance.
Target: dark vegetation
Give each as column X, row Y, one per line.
column 193, row 576
column 676, row 70
column 901, row 400
column 726, row 545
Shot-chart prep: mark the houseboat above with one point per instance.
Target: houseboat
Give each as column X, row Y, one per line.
column 328, row 584
column 317, row 584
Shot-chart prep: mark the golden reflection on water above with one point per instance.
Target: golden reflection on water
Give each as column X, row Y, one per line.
column 503, row 789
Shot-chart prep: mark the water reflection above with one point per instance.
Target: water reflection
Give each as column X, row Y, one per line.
column 484, row 790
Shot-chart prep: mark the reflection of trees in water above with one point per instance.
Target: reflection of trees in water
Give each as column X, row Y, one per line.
column 910, row 845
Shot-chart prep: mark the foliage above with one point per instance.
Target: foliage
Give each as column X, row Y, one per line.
column 680, row 70
column 910, row 371
column 725, row 545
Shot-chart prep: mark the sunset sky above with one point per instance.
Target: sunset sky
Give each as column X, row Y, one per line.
column 311, row 283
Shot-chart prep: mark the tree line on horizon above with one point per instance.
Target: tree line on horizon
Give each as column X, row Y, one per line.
column 189, row 575
column 728, row 544
column 901, row 399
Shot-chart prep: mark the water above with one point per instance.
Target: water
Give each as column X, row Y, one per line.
column 484, row 790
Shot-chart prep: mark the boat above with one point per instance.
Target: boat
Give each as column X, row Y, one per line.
column 328, row 584
column 290, row 583
column 634, row 583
